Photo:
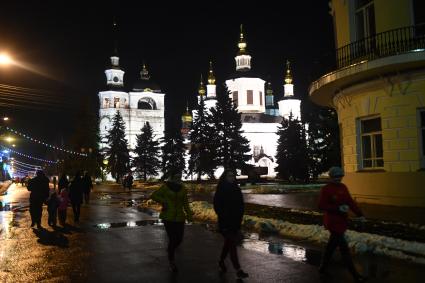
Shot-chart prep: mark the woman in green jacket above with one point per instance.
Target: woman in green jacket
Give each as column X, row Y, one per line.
column 175, row 210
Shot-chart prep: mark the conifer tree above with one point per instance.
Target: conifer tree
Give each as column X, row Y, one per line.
column 117, row 151
column 292, row 155
column 147, row 151
column 323, row 140
column 202, row 150
column 173, row 154
column 231, row 146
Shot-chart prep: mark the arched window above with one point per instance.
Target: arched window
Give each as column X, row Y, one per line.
column 146, row 103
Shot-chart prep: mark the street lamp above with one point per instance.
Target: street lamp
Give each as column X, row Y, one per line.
column 5, row 59
column 9, row 139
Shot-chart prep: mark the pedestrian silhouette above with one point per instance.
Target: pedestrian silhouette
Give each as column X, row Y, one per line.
column 336, row 201
column 39, row 188
column 87, row 187
column 76, row 195
column 229, row 207
column 175, row 210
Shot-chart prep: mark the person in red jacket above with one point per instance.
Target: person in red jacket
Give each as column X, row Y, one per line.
column 335, row 201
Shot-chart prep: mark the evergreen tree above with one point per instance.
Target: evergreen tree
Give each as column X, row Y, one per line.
column 173, row 154
column 323, row 140
column 117, row 151
column 292, row 155
column 202, row 150
column 147, row 149
column 85, row 139
column 232, row 147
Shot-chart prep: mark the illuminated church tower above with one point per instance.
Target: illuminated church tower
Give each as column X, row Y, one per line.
column 289, row 104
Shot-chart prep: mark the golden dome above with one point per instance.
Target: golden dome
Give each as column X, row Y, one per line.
column 187, row 117
column 211, row 77
column 242, row 43
column 288, row 76
column 201, row 90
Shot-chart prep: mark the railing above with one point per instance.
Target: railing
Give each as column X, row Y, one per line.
column 384, row 44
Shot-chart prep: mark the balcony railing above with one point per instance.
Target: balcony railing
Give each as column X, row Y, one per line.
column 384, row 44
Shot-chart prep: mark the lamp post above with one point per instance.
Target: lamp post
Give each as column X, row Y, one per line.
column 5, row 59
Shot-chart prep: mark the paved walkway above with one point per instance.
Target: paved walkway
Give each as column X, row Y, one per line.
column 116, row 243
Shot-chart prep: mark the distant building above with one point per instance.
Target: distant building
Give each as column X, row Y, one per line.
column 261, row 115
column 378, row 91
column 144, row 103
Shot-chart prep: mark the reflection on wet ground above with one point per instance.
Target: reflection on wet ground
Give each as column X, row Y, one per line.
column 128, row 224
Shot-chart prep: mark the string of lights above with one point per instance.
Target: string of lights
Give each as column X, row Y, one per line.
column 30, row 157
column 45, row 144
column 26, row 164
column 15, row 163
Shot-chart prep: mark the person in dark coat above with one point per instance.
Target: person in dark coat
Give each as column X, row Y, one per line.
column 76, row 195
column 63, row 183
column 335, row 201
column 87, row 187
column 39, row 188
column 229, row 207
column 52, row 207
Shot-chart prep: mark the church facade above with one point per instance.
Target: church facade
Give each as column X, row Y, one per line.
column 144, row 103
column 261, row 115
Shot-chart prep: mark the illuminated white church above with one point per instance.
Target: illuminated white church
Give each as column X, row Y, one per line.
column 144, row 103
column 260, row 115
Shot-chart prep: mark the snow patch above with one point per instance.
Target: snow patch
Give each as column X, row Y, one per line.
column 357, row 241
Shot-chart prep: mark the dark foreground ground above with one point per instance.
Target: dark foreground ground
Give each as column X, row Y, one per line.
column 116, row 243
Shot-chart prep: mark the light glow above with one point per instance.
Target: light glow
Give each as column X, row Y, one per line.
column 5, row 59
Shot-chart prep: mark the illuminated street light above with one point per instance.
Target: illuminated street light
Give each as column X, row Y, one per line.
column 13, row 145
column 5, row 59
column 6, row 118
column 9, row 139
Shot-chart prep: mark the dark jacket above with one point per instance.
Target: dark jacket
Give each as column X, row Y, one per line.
column 39, row 188
column 229, row 206
column 63, row 183
column 76, row 191
column 87, row 184
column 332, row 196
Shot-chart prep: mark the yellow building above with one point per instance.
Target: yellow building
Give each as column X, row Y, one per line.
column 378, row 90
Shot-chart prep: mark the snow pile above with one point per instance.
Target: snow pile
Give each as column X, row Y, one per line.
column 309, row 212
column 358, row 242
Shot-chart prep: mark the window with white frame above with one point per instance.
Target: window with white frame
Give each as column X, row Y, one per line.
column 365, row 19
column 371, row 143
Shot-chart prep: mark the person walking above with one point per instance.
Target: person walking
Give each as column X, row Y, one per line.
column 335, row 201
column 175, row 210
column 129, row 181
column 54, row 181
column 63, row 206
column 39, row 188
column 229, row 207
column 63, row 183
column 52, row 207
column 76, row 195
column 87, row 187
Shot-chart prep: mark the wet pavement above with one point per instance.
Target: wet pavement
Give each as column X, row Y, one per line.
column 116, row 242
column 309, row 201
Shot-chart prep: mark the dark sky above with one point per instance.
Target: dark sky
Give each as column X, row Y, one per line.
column 71, row 45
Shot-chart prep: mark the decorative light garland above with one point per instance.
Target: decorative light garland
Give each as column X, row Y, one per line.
column 29, row 156
column 45, row 144
column 25, row 164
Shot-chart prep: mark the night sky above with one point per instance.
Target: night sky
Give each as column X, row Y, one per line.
column 71, row 46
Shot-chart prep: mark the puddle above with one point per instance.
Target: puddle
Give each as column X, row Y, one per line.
column 149, row 211
column 128, row 224
column 252, row 241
